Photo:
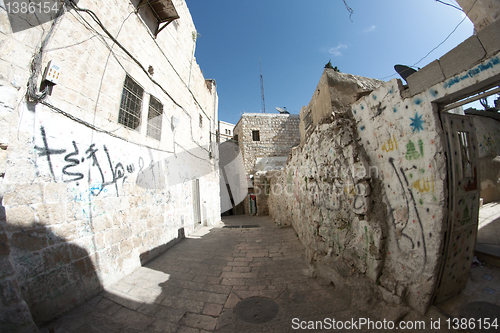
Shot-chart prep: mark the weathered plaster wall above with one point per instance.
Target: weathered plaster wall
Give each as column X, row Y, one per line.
column 488, row 137
column 85, row 198
column 389, row 229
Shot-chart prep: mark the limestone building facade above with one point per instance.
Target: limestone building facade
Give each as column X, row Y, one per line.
column 265, row 141
column 108, row 150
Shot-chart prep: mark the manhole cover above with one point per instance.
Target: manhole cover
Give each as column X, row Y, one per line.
column 481, row 310
column 256, row 310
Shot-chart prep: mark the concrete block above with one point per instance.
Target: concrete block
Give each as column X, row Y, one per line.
column 62, row 232
column 22, row 194
column 47, row 214
column 490, row 38
column 462, row 57
column 426, row 77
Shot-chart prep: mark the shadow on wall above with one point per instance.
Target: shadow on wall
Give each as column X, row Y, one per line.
column 160, row 295
column 42, row 275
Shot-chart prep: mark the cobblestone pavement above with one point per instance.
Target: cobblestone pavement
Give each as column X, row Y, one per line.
column 196, row 285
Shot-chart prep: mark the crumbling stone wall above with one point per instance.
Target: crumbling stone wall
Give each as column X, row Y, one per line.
column 366, row 194
column 481, row 12
column 393, row 248
column 335, row 91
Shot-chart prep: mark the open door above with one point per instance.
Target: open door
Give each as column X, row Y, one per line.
column 196, row 203
column 463, row 205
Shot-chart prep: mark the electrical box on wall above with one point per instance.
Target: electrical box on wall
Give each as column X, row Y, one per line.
column 52, row 72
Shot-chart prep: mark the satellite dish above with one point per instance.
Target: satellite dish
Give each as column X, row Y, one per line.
column 282, row 110
column 404, row 71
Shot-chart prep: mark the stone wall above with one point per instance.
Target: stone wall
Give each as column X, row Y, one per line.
column 336, row 92
column 86, row 199
column 481, row 12
column 278, row 134
column 367, row 190
column 488, row 137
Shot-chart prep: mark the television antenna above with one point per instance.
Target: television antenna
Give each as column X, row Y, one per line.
column 262, row 88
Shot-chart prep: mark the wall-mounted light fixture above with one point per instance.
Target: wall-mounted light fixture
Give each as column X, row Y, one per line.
column 50, row 76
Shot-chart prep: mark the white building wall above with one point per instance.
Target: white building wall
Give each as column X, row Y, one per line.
column 226, row 131
column 85, row 197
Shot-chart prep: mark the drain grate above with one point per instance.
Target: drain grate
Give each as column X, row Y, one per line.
column 256, row 310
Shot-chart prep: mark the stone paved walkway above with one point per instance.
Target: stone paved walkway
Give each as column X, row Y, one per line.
column 195, row 286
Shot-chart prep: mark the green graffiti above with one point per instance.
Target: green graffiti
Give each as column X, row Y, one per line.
column 411, row 151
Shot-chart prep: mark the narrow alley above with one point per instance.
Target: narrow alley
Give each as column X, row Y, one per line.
column 197, row 286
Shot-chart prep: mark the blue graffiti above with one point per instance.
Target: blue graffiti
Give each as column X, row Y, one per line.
column 417, row 123
column 473, row 72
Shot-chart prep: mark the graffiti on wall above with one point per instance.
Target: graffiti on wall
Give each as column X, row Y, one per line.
column 411, row 232
column 109, row 173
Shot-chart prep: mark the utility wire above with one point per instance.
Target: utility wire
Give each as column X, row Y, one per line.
column 33, row 96
column 447, row 37
column 449, row 4
column 349, row 9
column 96, row 19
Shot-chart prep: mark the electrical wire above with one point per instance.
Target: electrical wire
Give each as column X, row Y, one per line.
column 95, row 128
column 35, row 68
column 36, row 62
column 449, row 4
column 96, row 19
column 447, row 37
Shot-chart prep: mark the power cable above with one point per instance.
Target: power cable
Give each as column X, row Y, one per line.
column 447, row 37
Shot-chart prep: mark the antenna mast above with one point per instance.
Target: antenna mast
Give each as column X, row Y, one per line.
column 262, row 88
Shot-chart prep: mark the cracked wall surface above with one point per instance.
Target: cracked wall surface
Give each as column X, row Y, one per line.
column 367, row 190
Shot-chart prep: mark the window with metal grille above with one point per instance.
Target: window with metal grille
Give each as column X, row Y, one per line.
column 255, row 135
column 131, row 103
column 155, row 115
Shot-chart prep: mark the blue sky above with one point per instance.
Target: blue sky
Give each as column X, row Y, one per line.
column 295, row 39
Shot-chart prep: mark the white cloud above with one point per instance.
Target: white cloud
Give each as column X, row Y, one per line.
column 336, row 50
column 370, row 29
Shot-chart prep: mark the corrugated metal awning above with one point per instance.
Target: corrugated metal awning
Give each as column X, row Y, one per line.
column 163, row 10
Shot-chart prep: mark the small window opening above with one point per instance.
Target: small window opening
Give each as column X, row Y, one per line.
column 255, row 135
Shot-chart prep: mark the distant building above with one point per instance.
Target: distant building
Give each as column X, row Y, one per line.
column 265, row 141
column 226, row 131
